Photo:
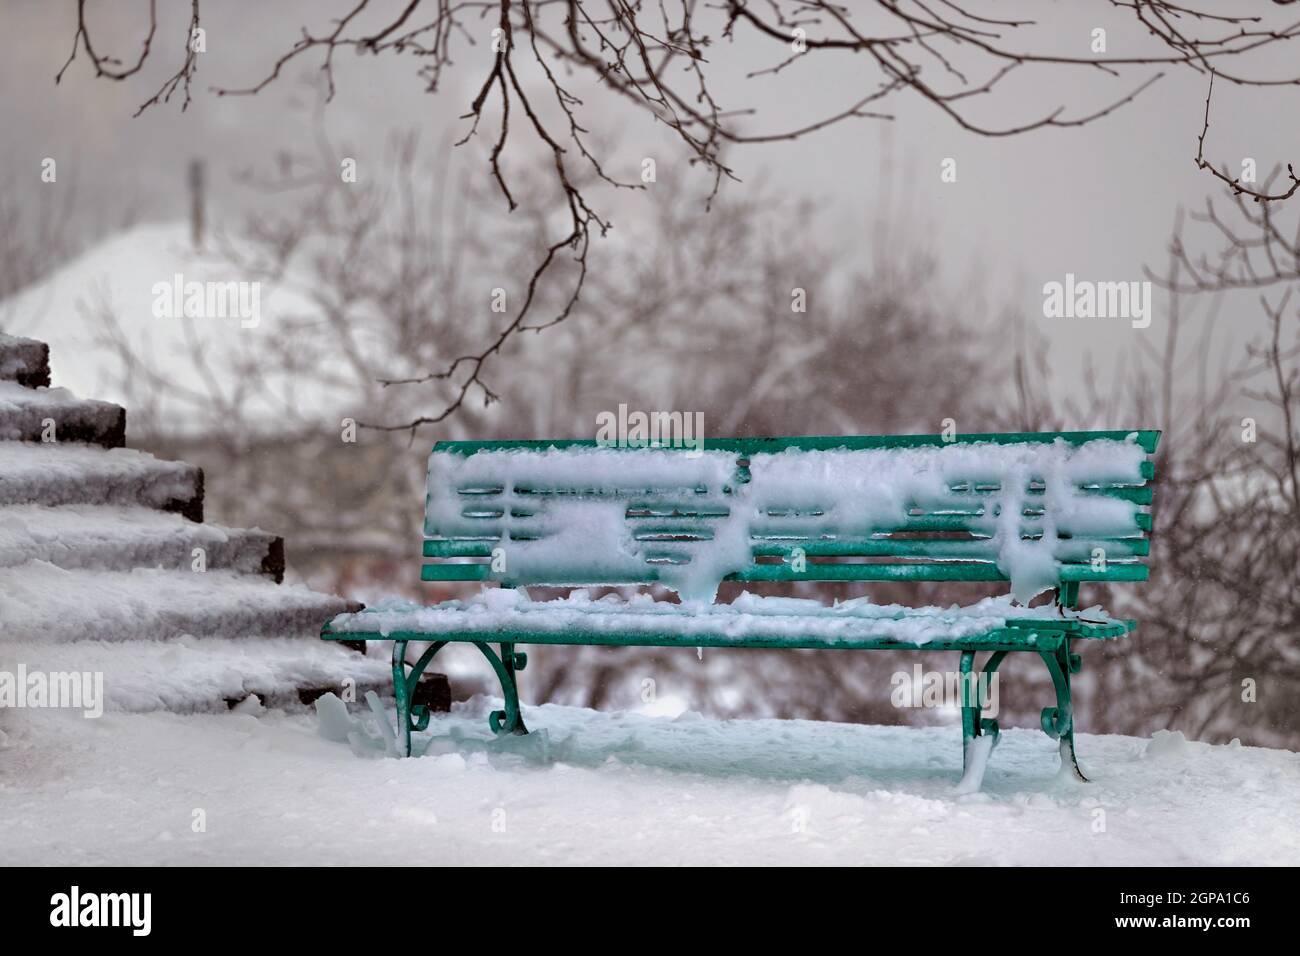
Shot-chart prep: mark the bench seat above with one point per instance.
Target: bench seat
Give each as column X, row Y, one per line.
column 507, row 616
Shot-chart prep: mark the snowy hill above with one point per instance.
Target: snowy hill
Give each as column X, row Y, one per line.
column 106, row 298
column 625, row 789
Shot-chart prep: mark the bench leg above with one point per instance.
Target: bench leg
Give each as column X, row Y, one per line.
column 402, row 691
column 975, row 729
column 970, row 714
column 989, row 725
column 410, row 716
column 1058, row 721
column 415, row 717
column 510, row 720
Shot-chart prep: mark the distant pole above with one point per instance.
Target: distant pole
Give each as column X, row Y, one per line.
column 196, row 202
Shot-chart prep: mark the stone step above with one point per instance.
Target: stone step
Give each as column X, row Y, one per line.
column 42, row 602
column 55, row 414
column 24, row 361
column 67, row 473
column 121, row 538
column 208, row 674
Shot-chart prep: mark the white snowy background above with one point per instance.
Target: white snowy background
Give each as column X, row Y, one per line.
column 927, row 306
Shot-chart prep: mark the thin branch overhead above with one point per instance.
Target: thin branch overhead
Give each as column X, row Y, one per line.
column 669, row 59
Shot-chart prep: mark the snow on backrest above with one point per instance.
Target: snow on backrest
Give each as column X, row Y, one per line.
column 581, row 514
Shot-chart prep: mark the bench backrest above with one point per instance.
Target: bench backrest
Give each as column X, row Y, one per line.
column 1037, row 509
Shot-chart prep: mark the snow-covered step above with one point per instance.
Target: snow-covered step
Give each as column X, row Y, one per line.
column 41, row 602
column 24, row 361
column 66, row 473
column 206, row 674
column 122, row 538
column 55, row 414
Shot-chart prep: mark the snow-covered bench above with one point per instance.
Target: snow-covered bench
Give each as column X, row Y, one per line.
column 1044, row 511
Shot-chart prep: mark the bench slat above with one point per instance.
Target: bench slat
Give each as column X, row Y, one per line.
column 1147, row 439
column 911, row 524
column 931, row 571
column 781, row 546
column 1078, row 549
column 816, row 571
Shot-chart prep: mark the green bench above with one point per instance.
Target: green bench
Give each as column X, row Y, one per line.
column 1045, row 512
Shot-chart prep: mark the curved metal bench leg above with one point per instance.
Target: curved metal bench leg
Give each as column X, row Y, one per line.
column 1058, row 721
column 970, row 712
column 416, row 717
column 989, row 725
column 410, row 716
column 420, row 712
column 973, row 702
column 510, row 720
column 401, row 691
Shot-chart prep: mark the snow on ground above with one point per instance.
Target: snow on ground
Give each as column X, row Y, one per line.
column 623, row 788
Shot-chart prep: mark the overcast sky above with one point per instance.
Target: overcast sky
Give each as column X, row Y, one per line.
column 1097, row 201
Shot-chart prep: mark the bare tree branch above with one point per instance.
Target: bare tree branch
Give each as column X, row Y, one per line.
column 663, row 58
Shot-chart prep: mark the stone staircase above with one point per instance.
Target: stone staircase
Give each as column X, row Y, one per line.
column 107, row 565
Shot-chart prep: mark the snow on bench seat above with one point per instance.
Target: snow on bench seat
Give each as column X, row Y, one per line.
column 751, row 619
column 41, row 602
column 202, row 674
